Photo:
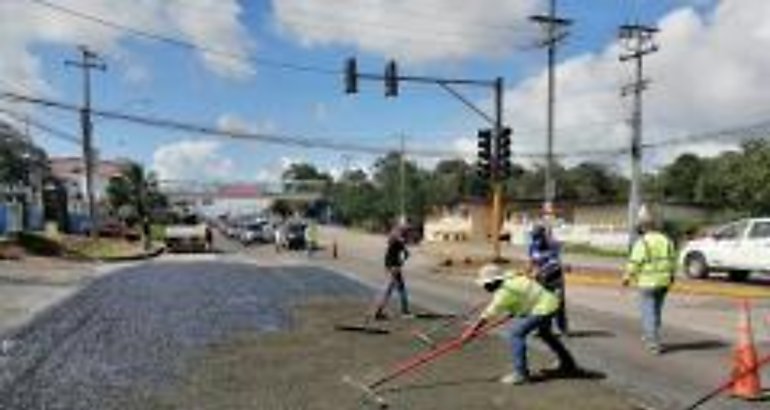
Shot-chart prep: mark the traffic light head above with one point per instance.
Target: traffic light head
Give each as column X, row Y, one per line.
column 503, row 156
column 351, row 76
column 391, row 79
column 485, row 160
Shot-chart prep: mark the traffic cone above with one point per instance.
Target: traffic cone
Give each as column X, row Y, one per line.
column 746, row 379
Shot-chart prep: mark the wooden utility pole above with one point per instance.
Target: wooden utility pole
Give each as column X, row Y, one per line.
column 89, row 60
column 555, row 31
column 638, row 41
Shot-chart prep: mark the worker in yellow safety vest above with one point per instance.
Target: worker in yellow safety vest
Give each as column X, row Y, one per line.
column 651, row 268
column 533, row 307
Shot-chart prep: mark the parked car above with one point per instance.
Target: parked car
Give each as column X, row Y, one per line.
column 294, row 236
column 257, row 232
column 738, row 248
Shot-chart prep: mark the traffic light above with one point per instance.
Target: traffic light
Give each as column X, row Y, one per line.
column 503, row 155
column 485, row 160
column 351, row 76
column 391, row 79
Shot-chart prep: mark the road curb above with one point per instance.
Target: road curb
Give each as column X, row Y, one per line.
column 134, row 258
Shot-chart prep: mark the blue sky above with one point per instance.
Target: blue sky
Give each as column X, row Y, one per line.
column 146, row 77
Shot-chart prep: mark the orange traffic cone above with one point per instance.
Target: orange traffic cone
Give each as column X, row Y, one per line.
column 746, row 379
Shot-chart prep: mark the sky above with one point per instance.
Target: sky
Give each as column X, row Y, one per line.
column 707, row 76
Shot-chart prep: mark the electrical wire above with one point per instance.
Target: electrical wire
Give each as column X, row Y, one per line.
column 177, row 42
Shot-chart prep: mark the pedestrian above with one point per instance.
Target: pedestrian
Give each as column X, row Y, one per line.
column 533, row 308
column 278, row 236
column 396, row 255
column 545, row 260
column 311, row 238
column 651, row 268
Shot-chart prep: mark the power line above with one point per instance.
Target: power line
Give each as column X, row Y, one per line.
column 757, row 130
column 480, row 29
column 177, row 42
column 43, row 126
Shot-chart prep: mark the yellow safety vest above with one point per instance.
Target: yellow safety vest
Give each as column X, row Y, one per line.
column 652, row 262
column 520, row 295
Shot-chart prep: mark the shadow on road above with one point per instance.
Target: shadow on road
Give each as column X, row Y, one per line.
column 590, row 333
column 443, row 383
column 694, row 346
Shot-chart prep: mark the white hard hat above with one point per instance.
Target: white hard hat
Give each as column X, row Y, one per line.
column 489, row 273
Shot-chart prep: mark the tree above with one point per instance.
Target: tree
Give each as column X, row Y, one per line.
column 303, row 177
column 677, row 180
column 134, row 197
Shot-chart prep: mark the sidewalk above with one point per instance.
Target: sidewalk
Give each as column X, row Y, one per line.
column 699, row 330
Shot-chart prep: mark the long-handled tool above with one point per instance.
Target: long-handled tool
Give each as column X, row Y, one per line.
column 426, row 336
column 412, row 363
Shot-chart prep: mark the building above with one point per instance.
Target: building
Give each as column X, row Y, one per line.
column 70, row 172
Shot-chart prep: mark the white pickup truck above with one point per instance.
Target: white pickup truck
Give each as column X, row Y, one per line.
column 188, row 234
column 738, row 248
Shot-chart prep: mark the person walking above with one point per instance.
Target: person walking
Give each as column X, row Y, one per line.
column 396, row 255
column 545, row 259
column 651, row 268
column 311, row 238
column 533, row 307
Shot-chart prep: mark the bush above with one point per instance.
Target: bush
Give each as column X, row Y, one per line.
column 39, row 245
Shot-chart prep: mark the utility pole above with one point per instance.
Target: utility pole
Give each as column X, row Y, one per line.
column 402, row 180
column 89, row 60
column 555, row 32
column 639, row 42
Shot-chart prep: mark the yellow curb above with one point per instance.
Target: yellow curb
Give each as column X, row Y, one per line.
column 686, row 287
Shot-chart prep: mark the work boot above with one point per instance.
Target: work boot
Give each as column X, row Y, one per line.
column 655, row 348
column 380, row 315
column 514, row 379
column 561, row 370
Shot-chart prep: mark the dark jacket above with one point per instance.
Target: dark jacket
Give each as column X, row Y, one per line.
column 396, row 253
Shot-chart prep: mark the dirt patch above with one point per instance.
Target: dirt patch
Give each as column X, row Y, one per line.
column 304, row 368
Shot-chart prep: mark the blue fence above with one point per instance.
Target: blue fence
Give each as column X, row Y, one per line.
column 3, row 219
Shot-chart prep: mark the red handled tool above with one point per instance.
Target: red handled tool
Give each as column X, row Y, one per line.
column 416, row 361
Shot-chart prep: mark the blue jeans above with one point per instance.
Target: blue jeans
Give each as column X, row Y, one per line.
column 525, row 325
column 651, row 304
column 396, row 282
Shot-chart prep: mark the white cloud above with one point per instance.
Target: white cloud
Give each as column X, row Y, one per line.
column 708, row 75
column 25, row 25
column 411, row 31
column 229, row 122
column 192, row 161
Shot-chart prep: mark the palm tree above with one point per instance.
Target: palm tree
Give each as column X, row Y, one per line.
column 133, row 196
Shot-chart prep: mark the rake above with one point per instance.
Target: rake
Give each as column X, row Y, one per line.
column 412, row 363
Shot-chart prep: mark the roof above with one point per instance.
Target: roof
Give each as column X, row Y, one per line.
column 70, row 167
column 239, row 191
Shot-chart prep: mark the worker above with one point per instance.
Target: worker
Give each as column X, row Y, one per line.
column 396, row 255
column 545, row 260
column 651, row 268
column 533, row 307
column 311, row 239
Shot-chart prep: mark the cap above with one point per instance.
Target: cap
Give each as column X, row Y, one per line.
column 489, row 273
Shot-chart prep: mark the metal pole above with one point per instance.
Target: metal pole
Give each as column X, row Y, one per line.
column 497, row 187
column 402, row 182
column 550, row 187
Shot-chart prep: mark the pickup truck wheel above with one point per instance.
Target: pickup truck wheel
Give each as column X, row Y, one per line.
column 738, row 275
column 695, row 266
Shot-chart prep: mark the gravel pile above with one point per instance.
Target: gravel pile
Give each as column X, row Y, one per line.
column 129, row 335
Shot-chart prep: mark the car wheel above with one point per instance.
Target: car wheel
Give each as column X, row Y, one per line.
column 738, row 275
column 695, row 266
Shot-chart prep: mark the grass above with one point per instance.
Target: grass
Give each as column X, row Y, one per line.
column 76, row 247
column 586, row 249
